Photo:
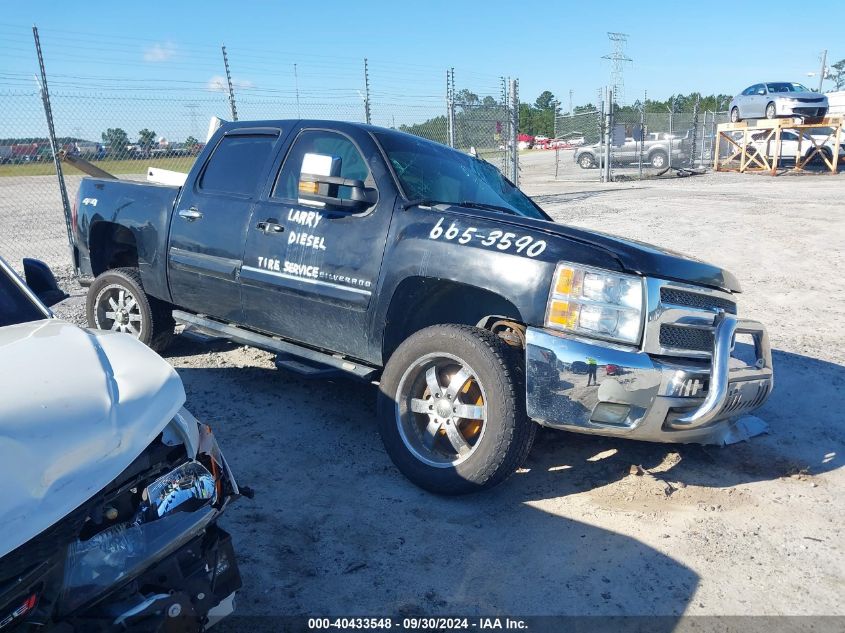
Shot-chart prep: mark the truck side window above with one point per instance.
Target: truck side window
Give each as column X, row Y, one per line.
column 352, row 164
column 237, row 163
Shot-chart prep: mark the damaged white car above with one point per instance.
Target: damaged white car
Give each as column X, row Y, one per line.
column 111, row 489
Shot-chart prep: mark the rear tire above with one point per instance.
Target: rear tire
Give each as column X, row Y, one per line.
column 817, row 157
column 735, row 115
column 771, row 111
column 585, row 161
column 434, row 376
column 116, row 301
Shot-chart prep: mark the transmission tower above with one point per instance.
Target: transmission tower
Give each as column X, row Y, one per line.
column 617, row 65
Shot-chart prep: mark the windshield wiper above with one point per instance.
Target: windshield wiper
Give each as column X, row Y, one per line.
column 483, row 205
column 429, row 202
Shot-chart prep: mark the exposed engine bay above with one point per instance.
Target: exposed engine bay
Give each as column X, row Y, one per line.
column 144, row 554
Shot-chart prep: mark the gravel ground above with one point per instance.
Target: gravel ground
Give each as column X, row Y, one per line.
column 590, row 525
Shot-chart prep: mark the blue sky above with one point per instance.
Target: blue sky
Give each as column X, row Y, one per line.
column 675, row 47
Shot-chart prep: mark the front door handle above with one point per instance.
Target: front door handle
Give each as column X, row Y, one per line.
column 270, row 227
column 190, row 214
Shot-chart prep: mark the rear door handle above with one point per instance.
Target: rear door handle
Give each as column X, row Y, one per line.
column 190, row 214
column 270, row 227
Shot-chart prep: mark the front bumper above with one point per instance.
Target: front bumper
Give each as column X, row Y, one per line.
column 801, row 109
column 608, row 389
column 201, row 578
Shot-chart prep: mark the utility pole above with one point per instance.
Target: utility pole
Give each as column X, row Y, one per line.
column 601, row 123
column 514, row 131
column 232, row 107
column 192, row 112
column 296, row 85
column 54, row 145
column 822, row 70
column 450, row 105
column 366, row 92
column 609, row 133
column 570, row 102
column 642, row 132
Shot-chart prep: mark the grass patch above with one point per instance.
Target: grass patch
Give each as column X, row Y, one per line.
column 176, row 163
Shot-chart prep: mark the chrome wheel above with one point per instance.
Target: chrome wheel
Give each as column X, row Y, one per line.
column 118, row 310
column 441, row 410
column 735, row 115
column 770, row 111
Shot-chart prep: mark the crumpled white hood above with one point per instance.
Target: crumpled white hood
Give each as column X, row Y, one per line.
column 76, row 408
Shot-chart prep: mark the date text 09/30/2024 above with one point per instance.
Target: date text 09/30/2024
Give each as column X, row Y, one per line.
column 418, row 624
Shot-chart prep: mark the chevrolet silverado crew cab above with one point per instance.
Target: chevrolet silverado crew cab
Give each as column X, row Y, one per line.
column 364, row 250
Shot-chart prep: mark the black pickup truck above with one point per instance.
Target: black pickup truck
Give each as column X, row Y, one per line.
column 350, row 248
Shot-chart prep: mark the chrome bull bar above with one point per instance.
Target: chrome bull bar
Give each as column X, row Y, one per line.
column 591, row 386
column 726, row 327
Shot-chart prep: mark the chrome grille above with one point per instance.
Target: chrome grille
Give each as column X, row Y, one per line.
column 695, row 300
column 680, row 317
column 686, row 338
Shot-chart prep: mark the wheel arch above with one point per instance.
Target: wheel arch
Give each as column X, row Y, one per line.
column 111, row 245
column 420, row 302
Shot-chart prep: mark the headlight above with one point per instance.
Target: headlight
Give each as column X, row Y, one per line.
column 596, row 303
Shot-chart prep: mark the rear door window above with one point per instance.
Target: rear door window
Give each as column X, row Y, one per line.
column 237, row 164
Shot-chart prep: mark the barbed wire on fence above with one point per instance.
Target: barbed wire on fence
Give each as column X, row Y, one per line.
column 129, row 122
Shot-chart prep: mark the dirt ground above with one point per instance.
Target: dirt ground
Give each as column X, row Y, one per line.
column 750, row 529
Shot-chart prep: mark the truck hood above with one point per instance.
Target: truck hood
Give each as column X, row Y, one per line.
column 76, row 408
column 637, row 257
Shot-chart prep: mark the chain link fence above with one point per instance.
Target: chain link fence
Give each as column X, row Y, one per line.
column 573, row 135
column 125, row 125
column 31, row 219
column 640, row 145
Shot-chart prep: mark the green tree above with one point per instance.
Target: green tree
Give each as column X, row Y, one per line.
column 146, row 138
column 837, row 74
column 466, row 97
column 117, row 139
column 545, row 101
column 191, row 141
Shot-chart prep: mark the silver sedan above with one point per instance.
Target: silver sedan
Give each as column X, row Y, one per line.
column 777, row 98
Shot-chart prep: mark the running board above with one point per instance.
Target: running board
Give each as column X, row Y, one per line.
column 273, row 344
column 304, row 367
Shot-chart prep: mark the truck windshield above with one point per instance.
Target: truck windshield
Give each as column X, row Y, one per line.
column 430, row 171
column 15, row 306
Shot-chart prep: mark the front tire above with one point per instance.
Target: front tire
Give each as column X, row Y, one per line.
column 452, row 410
column 660, row 159
column 735, row 115
column 771, row 111
column 116, row 301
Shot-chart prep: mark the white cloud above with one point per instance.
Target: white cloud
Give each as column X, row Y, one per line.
column 218, row 84
column 160, row 52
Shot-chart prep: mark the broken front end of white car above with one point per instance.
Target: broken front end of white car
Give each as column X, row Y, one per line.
column 111, row 489
column 144, row 553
